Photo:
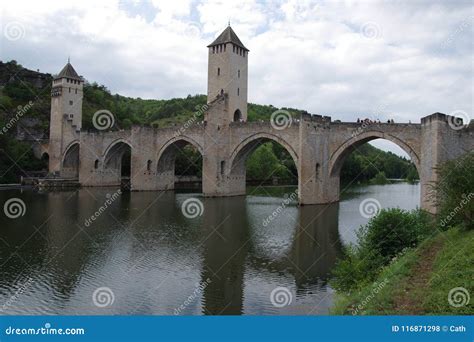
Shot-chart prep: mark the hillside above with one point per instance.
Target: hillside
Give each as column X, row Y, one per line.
column 19, row 86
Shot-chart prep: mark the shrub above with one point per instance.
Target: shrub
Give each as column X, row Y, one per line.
column 380, row 178
column 455, row 190
column 385, row 237
column 357, row 267
column 412, row 175
column 393, row 230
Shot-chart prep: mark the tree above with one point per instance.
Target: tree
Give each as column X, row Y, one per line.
column 263, row 164
column 455, row 192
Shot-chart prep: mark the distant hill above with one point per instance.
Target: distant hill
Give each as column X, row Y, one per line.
column 19, row 86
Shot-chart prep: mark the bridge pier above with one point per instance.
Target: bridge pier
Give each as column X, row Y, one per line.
column 219, row 179
column 442, row 139
column 315, row 184
column 317, row 145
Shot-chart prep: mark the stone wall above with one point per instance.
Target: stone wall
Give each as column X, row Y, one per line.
column 317, row 145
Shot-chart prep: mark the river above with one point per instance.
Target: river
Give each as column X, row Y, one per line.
column 95, row 251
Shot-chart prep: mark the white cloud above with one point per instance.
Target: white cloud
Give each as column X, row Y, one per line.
column 414, row 59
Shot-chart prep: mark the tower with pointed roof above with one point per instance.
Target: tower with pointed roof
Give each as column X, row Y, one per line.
column 66, row 114
column 227, row 73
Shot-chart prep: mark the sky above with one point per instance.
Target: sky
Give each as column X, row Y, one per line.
column 398, row 60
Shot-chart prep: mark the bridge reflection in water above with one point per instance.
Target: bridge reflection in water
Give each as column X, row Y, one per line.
column 156, row 260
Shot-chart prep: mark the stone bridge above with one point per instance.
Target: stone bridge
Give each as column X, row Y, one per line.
column 317, row 145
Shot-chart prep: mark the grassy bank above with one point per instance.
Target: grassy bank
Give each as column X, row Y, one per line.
column 419, row 281
column 407, row 263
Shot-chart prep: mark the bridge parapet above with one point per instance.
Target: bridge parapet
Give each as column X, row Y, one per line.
column 260, row 124
column 315, row 118
column 177, row 129
column 317, row 144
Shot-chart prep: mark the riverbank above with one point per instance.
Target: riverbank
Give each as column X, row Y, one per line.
column 420, row 281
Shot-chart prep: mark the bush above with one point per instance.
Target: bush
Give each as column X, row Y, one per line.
column 355, row 268
column 385, row 237
column 412, row 175
column 392, row 230
column 380, row 178
column 455, row 191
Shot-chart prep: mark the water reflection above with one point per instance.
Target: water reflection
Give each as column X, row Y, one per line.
column 316, row 245
column 226, row 244
column 156, row 260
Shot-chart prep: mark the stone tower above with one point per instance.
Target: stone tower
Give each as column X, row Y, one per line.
column 227, row 74
column 66, row 114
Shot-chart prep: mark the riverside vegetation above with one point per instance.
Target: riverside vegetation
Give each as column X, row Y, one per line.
column 19, row 85
column 406, row 262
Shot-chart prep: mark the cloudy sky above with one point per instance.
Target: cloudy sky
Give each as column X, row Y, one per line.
column 347, row 59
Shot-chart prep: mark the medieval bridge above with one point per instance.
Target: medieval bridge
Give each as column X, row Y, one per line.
column 317, row 144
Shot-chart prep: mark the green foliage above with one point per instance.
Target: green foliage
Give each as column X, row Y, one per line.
column 367, row 161
column 451, row 268
column 6, row 102
column 386, row 236
column 269, row 160
column 392, row 230
column 456, row 192
column 412, row 175
column 16, row 158
column 126, row 124
column 258, row 112
column 188, row 162
column 263, row 164
column 380, row 178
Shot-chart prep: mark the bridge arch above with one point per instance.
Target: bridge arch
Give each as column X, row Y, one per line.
column 168, row 156
column 339, row 156
column 113, row 155
column 70, row 161
column 181, row 141
column 246, row 147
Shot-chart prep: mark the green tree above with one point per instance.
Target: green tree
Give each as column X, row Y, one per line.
column 455, row 192
column 263, row 164
column 386, row 235
column 379, row 178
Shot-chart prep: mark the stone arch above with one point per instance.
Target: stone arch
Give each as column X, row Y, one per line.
column 70, row 161
column 338, row 157
column 112, row 158
column 184, row 140
column 247, row 146
column 166, row 157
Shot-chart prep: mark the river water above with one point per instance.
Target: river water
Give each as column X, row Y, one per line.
column 95, row 251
